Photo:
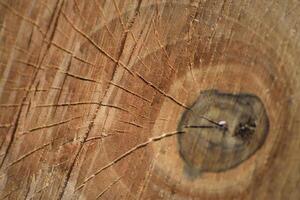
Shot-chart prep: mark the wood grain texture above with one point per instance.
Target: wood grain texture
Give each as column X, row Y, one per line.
column 221, row 131
column 91, row 94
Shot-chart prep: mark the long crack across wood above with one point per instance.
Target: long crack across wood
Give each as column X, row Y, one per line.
column 127, row 153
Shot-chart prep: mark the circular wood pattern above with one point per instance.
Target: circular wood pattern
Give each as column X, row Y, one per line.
column 98, row 99
column 221, row 131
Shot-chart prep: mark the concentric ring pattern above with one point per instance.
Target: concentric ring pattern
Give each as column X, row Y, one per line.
column 92, row 93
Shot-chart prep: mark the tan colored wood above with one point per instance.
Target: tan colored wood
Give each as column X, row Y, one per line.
column 92, row 92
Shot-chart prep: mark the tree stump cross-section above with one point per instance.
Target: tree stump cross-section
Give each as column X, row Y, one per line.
column 136, row 99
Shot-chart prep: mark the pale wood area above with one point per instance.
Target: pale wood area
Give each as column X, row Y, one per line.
column 92, row 91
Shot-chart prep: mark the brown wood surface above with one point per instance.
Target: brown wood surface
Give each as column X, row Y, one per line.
column 92, row 91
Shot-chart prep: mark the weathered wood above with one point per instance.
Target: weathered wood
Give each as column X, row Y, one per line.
column 92, row 94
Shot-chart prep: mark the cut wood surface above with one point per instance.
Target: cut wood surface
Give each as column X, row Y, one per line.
column 93, row 95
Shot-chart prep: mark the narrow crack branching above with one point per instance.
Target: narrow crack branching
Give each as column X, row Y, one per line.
column 127, row 153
